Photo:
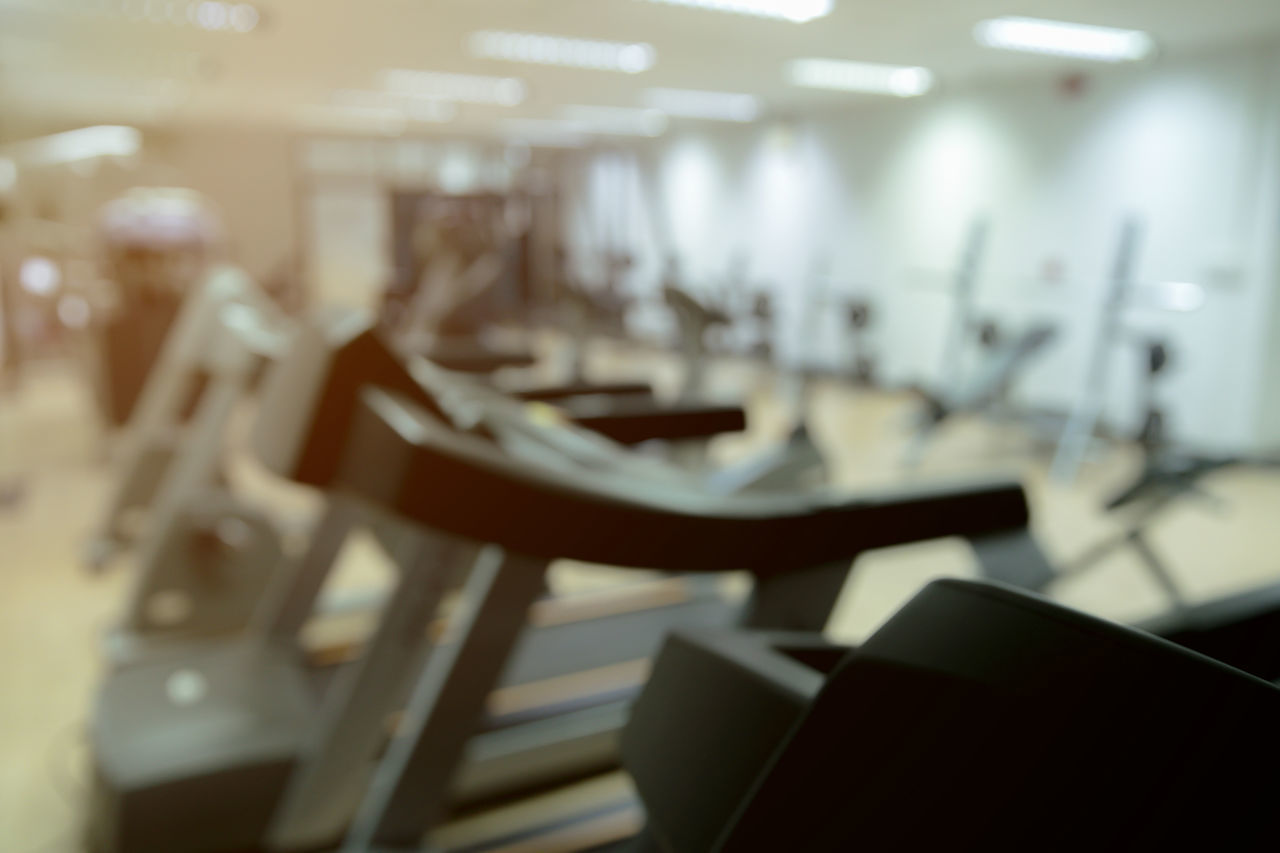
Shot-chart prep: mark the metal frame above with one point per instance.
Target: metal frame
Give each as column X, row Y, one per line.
column 350, row 728
column 986, row 388
column 1083, row 423
column 234, row 343
column 964, row 292
column 412, row 782
column 222, row 330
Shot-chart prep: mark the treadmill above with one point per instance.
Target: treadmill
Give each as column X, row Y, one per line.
column 228, row 746
column 205, row 558
column 978, row 718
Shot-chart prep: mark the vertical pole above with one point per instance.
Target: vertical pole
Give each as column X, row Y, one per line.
column 965, row 290
column 337, row 759
column 292, row 595
column 411, row 787
column 192, row 470
column 1078, row 434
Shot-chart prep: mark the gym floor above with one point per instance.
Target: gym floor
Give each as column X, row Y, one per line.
column 53, row 612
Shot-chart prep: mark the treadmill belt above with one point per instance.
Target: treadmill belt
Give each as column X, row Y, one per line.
column 581, row 816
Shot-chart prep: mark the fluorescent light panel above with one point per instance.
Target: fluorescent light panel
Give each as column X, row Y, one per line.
column 216, row 15
column 468, row 88
column 694, row 103
column 1181, row 296
column 544, row 132
column 870, row 77
column 798, row 11
column 540, row 49
column 620, row 121
column 104, row 140
column 1058, row 38
column 414, row 107
column 212, row 15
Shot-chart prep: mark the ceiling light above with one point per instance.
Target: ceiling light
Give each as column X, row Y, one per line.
column 211, row 15
column 244, row 17
column 905, row 82
column 623, row 121
column 545, row 132
column 790, row 10
column 628, row 57
column 1182, row 296
column 1103, row 44
column 215, row 15
column 39, row 276
column 469, row 88
column 415, row 107
column 74, row 311
column 8, row 175
column 693, row 103
column 106, row 140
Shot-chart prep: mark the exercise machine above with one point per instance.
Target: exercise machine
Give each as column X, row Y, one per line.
column 1168, row 474
column 797, row 459
column 205, row 556
column 1168, row 477
column 158, row 244
column 234, row 743
column 218, row 341
column 855, row 308
column 585, row 309
column 861, row 317
column 193, row 525
column 450, row 312
column 1003, row 359
column 969, row 721
column 417, row 768
column 1124, row 292
column 695, row 322
column 222, row 336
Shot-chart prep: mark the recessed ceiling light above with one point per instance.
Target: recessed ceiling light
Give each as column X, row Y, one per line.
column 244, row 17
column 215, row 15
column 1182, row 296
column 870, row 77
column 544, row 132
column 39, row 276
column 104, row 140
column 540, row 49
column 468, row 88
column 415, row 107
column 694, row 103
column 623, row 121
column 1032, row 35
column 790, row 10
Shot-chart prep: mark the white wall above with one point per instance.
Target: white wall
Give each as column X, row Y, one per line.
column 348, row 242
column 250, row 175
column 887, row 193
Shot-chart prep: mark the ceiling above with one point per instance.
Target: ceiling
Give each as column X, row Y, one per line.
column 104, row 60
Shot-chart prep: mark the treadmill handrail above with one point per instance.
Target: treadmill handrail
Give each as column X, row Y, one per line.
column 464, row 486
column 304, row 421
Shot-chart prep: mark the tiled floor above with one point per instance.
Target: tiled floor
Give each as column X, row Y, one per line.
column 52, row 612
